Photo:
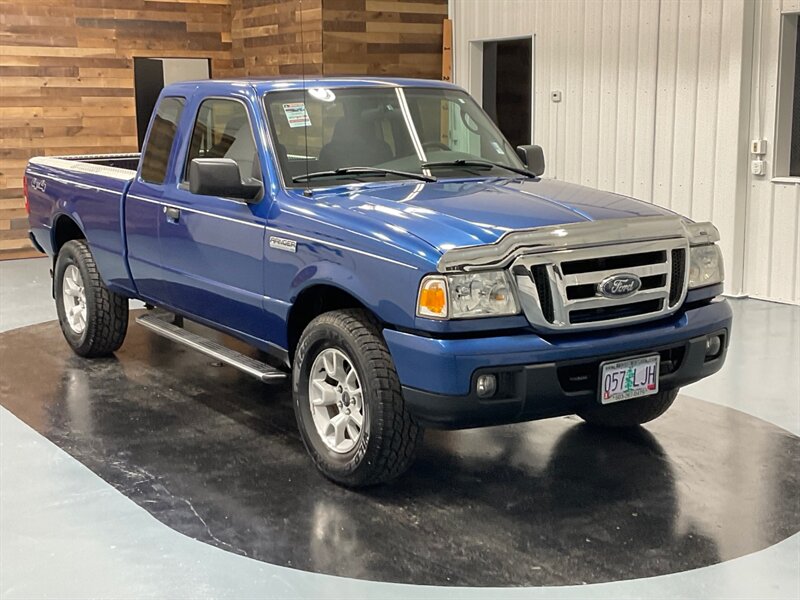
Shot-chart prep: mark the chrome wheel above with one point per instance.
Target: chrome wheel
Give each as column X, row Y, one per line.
column 337, row 400
column 74, row 297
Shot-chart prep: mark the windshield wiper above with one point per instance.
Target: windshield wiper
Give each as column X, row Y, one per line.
column 461, row 162
column 368, row 171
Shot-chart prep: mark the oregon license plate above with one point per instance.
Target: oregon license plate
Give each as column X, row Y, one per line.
column 626, row 379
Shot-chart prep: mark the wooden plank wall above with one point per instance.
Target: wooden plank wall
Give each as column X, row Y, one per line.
column 274, row 37
column 66, row 66
column 66, row 79
column 383, row 37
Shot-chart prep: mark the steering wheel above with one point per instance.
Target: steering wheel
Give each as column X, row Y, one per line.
column 435, row 145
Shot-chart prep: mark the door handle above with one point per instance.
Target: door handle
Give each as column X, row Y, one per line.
column 173, row 214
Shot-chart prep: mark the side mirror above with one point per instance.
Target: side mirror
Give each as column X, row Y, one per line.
column 533, row 157
column 220, row 177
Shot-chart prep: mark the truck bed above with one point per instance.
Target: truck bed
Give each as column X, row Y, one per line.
column 87, row 190
column 86, row 163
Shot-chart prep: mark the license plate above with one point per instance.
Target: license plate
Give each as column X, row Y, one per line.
column 626, row 379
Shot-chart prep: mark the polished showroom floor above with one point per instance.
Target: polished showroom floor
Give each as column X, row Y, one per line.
column 160, row 473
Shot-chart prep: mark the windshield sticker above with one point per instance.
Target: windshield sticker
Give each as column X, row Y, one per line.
column 497, row 148
column 296, row 114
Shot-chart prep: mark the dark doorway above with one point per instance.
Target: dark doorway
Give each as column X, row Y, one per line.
column 507, row 87
column 150, row 75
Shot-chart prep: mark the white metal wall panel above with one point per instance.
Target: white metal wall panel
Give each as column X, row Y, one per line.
column 624, row 157
column 645, row 109
column 666, row 113
column 686, row 133
column 772, row 238
column 655, row 105
column 609, row 94
column 708, row 99
column 587, row 153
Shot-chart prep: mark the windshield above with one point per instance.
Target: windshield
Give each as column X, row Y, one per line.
column 393, row 131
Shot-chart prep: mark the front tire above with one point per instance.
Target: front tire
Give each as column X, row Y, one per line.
column 94, row 319
column 348, row 401
column 630, row 413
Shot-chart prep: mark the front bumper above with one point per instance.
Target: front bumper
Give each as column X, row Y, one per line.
column 544, row 377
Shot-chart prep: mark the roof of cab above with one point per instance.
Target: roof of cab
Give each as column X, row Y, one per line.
column 272, row 84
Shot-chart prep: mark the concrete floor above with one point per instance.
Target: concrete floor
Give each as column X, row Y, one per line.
column 65, row 532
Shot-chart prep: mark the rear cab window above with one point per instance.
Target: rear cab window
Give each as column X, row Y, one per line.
column 162, row 136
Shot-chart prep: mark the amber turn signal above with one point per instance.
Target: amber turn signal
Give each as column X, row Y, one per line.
column 432, row 300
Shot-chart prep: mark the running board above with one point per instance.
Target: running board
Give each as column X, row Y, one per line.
column 251, row 366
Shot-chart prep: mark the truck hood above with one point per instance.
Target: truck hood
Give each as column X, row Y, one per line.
column 467, row 213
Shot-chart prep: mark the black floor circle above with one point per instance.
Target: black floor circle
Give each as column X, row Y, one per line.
column 216, row 455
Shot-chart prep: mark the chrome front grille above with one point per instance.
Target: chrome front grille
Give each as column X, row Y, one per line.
column 561, row 290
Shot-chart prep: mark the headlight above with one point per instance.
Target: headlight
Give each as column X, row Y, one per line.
column 705, row 266
column 464, row 295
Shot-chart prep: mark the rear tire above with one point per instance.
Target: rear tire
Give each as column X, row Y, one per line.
column 94, row 319
column 630, row 413
column 359, row 378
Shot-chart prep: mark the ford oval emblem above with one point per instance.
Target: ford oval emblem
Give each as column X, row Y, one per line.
column 619, row 286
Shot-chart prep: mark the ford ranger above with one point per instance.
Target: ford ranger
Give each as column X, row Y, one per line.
column 382, row 244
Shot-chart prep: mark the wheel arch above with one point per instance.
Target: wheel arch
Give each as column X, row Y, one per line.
column 313, row 301
column 65, row 229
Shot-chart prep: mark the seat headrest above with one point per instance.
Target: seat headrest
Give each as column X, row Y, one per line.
column 350, row 128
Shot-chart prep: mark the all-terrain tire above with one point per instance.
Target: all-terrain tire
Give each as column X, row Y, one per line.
column 389, row 436
column 630, row 413
column 106, row 314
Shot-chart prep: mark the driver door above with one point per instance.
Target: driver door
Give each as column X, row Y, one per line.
column 212, row 248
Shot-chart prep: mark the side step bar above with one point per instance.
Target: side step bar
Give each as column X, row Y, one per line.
column 251, row 366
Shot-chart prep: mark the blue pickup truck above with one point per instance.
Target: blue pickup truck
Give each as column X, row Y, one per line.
column 384, row 246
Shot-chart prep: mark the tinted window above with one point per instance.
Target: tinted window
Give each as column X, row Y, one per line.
column 452, row 126
column 222, row 130
column 325, row 130
column 159, row 144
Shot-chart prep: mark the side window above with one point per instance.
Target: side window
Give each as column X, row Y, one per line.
column 222, row 130
column 159, row 144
